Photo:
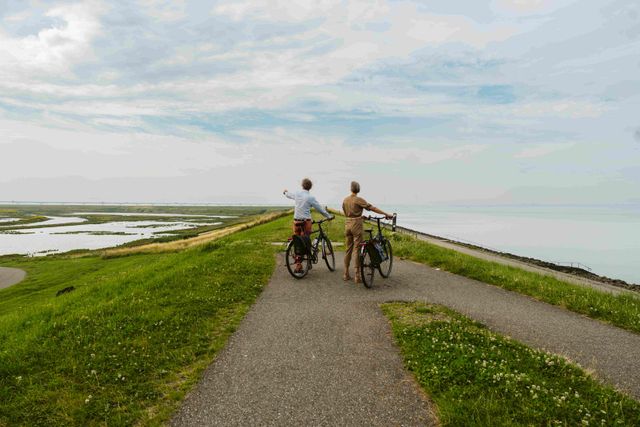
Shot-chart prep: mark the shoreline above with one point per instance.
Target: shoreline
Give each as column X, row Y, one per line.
column 575, row 272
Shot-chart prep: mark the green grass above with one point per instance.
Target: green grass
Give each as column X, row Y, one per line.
column 29, row 215
column 620, row 310
column 125, row 346
column 23, row 220
column 477, row 377
column 133, row 337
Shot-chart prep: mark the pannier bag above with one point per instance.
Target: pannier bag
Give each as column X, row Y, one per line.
column 376, row 253
column 301, row 245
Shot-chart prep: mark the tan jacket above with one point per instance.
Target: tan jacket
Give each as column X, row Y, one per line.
column 353, row 205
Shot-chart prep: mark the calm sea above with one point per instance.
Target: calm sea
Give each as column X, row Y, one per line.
column 604, row 238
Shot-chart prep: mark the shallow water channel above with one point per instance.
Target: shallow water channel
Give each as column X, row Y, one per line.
column 38, row 241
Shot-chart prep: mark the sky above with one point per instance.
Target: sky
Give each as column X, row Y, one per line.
column 422, row 102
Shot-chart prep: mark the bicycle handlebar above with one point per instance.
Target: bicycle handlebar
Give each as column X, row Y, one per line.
column 378, row 218
column 371, row 217
column 323, row 220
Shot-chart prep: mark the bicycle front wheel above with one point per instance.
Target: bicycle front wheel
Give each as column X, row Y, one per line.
column 367, row 269
column 385, row 266
column 328, row 255
column 298, row 265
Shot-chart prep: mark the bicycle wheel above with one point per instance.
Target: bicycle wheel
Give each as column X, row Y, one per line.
column 367, row 269
column 291, row 259
column 328, row 255
column 385, row 266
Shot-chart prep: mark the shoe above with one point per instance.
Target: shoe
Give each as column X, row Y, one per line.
column 346, row 277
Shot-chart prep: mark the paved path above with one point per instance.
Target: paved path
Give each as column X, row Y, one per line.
column 10, row 276
column 319, row 351
column 495, row 257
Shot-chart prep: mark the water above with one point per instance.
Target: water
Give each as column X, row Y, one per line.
column 154, row 215
column 42, row 241
column 54, row 220
column 604, row 238
column 8, row 220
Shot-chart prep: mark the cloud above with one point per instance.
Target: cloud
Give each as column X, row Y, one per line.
column 542, row 150
column 55, row 49
column 165, row 10
column 185, row 88
column 573, row 109
column 528, row 7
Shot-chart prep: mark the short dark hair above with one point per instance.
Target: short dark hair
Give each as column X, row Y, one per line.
column 307, row 184
column 355, row 187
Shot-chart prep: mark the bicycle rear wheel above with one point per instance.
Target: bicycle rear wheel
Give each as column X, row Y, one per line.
column 367, row 269
column 292, row 260
column 385, row 266
column 328, row 255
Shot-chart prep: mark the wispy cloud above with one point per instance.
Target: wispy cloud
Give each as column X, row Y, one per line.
column 402, row 82
column 541, row 150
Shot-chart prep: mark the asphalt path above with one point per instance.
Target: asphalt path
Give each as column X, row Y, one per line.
column 318, row 351
column 10, row 276
column 501, row 259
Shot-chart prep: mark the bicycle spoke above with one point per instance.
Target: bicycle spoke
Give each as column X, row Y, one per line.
column 328, row 255
column 298, row 265
column 367, row 269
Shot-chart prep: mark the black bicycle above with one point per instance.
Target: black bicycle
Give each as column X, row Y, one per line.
column 302, row 252
column 375, row 253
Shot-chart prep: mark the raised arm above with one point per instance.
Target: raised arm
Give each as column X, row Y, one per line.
column 289, row 195
column 313, row 202
column 381, row 212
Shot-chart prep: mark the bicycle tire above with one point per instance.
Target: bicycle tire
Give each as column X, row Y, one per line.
column 385, row 266
column 367, row 269
column 328, row 254
column 290, row 260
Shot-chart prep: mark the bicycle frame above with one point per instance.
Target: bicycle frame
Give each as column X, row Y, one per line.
column 375, row 253
column 303, row 259
column 379, row 237
column 314, row 244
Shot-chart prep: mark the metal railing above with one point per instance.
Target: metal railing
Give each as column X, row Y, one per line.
column 573, row 264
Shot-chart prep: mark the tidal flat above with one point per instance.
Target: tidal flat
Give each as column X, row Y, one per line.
column 37, row 230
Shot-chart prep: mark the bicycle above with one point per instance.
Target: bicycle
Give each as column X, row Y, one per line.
column 376, row 253
column 302, row 251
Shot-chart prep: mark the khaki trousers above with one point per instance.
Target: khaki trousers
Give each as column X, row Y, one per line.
column 353, row 235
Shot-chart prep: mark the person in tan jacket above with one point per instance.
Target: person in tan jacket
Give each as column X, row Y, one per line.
column 352, row 206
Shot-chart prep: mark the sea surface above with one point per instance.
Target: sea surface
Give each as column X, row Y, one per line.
column 605, row 238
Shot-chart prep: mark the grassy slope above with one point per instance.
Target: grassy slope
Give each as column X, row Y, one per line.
column 619, row 310
column 477, row 377
column 134, row 336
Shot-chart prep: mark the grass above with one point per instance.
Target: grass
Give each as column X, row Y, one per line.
column 477, row 377
column 23, row 220
column 620, row 310
column 29, row 215
column 134, row 336
column 170, row 245
column 125, row 346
